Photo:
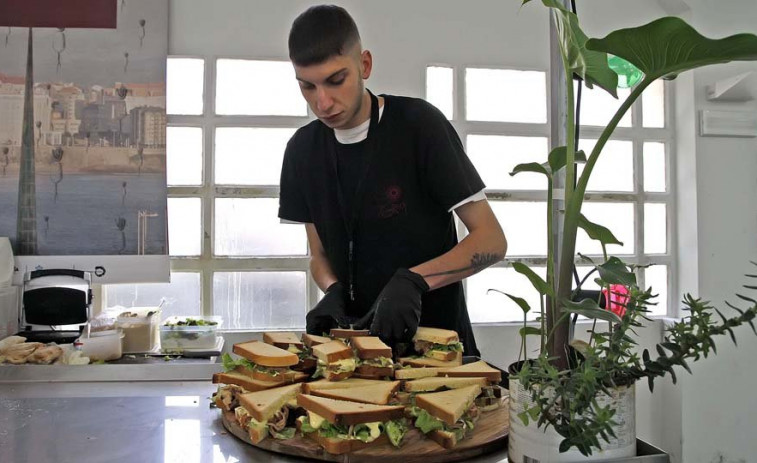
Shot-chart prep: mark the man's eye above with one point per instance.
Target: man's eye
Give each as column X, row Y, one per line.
column 306, row 86
column 337, row 82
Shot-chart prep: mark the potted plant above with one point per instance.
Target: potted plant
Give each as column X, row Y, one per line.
column 571, row 391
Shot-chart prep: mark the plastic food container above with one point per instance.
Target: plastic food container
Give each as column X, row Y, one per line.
column 195, row 332
column 103, row 345
column 140, row 327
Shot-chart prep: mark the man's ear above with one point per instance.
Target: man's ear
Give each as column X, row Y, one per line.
column 366, row 64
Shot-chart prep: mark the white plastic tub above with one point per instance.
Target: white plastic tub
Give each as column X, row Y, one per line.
column 140, row 330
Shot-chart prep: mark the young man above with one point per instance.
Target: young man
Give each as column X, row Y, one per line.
column 375, row 180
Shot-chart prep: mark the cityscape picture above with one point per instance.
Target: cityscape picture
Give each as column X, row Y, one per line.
column 83, row 136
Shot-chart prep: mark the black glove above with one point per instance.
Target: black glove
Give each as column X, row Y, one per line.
column 396, row 313
column 329, row 312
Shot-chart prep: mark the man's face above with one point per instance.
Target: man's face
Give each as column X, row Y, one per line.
column 334, row 88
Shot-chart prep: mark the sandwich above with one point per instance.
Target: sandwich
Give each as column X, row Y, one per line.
column 446, row 417
column 346, row 334
column 379, row 394
column 243, row 376
column 374, row 358
column 308, row 388
column 265, row 413
column 265, row 362
column 336, row 361
column 290, row 342
column 491, row 393
column 436, row 343
column 340, row 426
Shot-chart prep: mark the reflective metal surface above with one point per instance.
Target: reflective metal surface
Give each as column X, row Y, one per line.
column 157, row 422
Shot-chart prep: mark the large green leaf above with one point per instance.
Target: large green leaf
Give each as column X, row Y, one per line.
column 597, row 232
column 668, row 46
column 529, row 330
column 558, row 157
column 589, row 309
column 537, row 281
column 615, row 272
column 590, row 65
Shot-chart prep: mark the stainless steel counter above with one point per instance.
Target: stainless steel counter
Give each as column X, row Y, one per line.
column 122, row 422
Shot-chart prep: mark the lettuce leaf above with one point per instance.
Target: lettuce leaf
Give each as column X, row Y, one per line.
column 454, row 347
column 425, row 422
column 395, row 430
column 306, row 427
column 333, row 430
column 286, row 433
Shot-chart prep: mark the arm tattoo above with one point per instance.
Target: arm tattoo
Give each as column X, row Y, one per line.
column 478, row 262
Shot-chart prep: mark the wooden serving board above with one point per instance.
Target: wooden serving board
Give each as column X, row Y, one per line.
column 489, row 435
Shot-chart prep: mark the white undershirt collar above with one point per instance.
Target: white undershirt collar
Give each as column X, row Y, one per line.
column 357, row 133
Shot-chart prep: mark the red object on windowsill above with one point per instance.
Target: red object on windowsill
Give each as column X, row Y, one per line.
column 618, row 299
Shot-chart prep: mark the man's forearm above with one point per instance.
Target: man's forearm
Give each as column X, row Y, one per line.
column 479, row 250
column 322, row 273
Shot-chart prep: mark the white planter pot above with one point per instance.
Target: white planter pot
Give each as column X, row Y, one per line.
column 529, row 444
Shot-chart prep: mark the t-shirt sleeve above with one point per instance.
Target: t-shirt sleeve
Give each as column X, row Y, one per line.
column 447, row 173
column 292, row 204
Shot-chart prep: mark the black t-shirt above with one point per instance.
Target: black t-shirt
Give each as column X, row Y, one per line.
column 418, row 172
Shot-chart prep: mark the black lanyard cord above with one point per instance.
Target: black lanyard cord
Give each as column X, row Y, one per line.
column 350, row 224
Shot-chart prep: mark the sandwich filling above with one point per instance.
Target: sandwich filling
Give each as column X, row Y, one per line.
column 275, row 426
column 227, row 396
column 230, row 364
column 427, row 348
column 426, row 422
column 364, row 432
column 379, row 362
column 334, row 368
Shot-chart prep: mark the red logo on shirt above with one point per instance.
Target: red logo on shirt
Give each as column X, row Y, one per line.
column 391, row 204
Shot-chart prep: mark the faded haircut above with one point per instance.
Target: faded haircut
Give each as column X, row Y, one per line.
column 321, row 32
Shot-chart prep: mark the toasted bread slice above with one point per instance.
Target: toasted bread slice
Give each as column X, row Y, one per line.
column 379, row 394
column 262, row 405
column 332, row 351
column 344, row 333
column 448, row 406
column 437, row 383
column 265, row 354
column 348, row 413
column 475, row 369
column 370, row 347
column 446, row 439
column 337, row 446
column 308, row 388
column 415, row 373
column 243, row 381
column 373, row 372
column 435, row 335
column 430, row 362
column 311, row 340
column 283, row 339
column 257, row 434
column 445, row 355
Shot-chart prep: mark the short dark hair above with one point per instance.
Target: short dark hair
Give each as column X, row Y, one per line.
column 321, row 32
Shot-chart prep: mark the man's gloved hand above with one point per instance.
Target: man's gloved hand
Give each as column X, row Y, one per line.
column 396, row 313
column 329, row 312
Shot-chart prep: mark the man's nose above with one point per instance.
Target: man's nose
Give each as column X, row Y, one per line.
column 323, row 100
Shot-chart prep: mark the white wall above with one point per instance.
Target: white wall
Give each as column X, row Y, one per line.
column 705, row 416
